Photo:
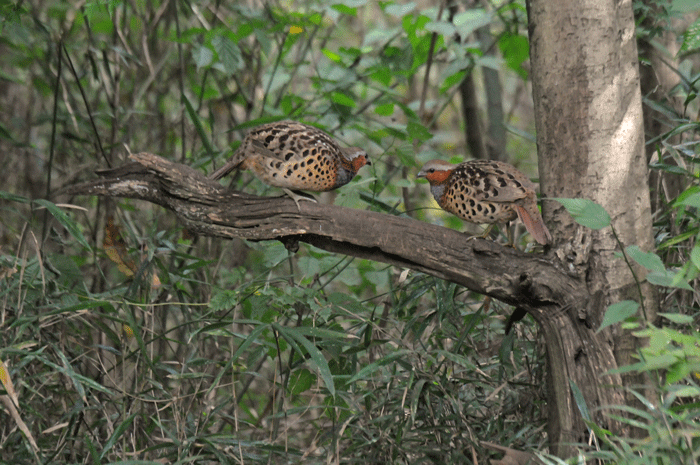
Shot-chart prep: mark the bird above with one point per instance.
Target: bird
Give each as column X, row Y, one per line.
column 486, row 191
column 295, row 157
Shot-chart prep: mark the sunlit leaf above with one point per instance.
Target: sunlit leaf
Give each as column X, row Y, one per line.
column 691, row 37
column 400, row 10
column 444, row 28
column 342, row 99
column 471, row 19
column 668, row 278
column 331, row 55
column 691, row 201
column 695, row 256
column 648, row 260
column 203, row 56
column 618, row 312
column 678, row 318
column 586, row 212
column 386, row 109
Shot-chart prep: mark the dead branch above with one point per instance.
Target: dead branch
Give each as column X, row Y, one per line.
column 207, row 208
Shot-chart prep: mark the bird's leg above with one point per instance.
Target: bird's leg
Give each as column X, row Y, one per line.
column 298, row 196
column 483, row 235
column 488, row 230
column 510, row 234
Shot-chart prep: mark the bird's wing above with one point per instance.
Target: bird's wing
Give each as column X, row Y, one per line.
column 501, row 194
column 263, row 151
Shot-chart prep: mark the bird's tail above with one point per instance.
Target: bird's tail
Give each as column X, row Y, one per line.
column 229, row 166
column 531, row 218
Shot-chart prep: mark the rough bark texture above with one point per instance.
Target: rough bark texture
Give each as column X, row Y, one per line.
column 496, row 129
column 473, row 134
column 591, row 144
column 207, row 208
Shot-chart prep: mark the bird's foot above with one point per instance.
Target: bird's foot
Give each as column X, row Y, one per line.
column 299, row 196
column 487, row 231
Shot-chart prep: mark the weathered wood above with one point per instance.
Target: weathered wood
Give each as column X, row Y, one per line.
column 206, row 207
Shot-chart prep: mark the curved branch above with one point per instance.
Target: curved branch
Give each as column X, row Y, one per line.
column 535, row 283
column 207, row 208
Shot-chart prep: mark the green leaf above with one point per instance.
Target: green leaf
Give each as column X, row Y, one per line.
column 665, row 360
column 444, row 28
column 65, row 220
column 323, row 333
column 342, row 99
column 691, row 37
column 224, row 299
column 580, row 401
column 516, row 50
column 346, row 10
column 13, row 197
column 451, row 80
column 618, row 312
column 399, row 10
column 695, row 256
column 300, row 381
column 198, row 125
column 374, row 366
column 668, row 278
column 117, row 435
column 470, row 20
column 648, row 260
column 418, row 131
column 386, row 109
column 229, row 53
column 677, row 318
column 690, row 191
column 293, row 335
column 586, row 212
column 691, row 201
column 203, row 56
column 686, row 391
column 331, row 55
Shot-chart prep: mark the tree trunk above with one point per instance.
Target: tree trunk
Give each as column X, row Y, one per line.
column 473, row 133
column 590, row 140
column 658, row 80
column 496, row 129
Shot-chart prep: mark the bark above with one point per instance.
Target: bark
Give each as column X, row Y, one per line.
column 207, row 208
column 591, row 144
column 496, row 129
column 473, row 134
column 536, row 283
column 658, row 79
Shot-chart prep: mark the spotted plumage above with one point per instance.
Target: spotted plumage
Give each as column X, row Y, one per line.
column 295, row 156
column 486, row 191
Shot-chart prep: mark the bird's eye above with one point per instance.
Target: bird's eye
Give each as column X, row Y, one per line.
column 431, row 170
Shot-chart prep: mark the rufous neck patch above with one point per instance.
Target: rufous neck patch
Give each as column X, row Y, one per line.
column 438, row 177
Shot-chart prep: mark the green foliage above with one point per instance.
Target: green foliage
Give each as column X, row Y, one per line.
column 586, row 212
column 128, row 339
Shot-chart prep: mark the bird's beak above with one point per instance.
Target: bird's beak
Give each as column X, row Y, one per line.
column 421, row 174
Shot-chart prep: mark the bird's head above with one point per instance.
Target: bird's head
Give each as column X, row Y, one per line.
column 357, row 157
column 436, row 171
